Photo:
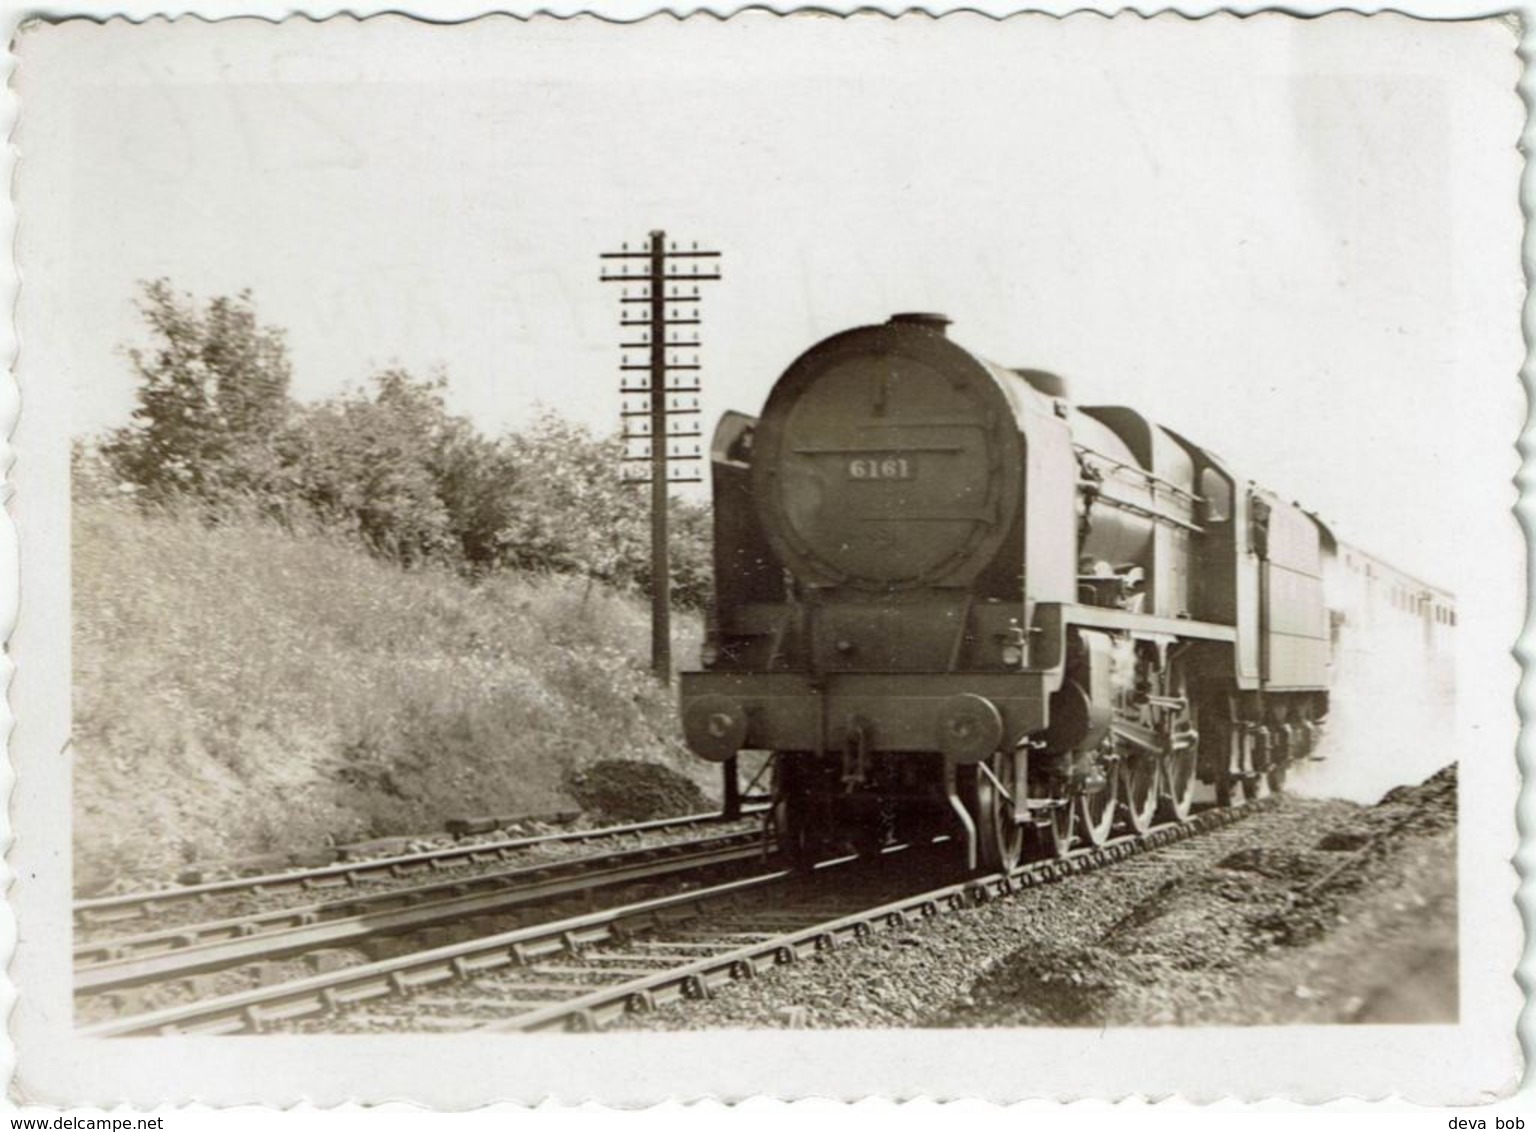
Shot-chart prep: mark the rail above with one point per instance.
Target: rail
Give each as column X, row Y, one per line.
column 590, row 1006
column 102, row 911
column 180, row 953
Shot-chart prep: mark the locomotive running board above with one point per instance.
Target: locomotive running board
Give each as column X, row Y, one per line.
column 1099, row 617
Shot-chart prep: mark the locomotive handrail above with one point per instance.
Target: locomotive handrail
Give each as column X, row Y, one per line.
column 1139, row 470
column 895, row 449
column 1138, row 509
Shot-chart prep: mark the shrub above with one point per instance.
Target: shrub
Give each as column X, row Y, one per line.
column 213, row 395
column 362, row 462
column 239, row 688
column 386, row 464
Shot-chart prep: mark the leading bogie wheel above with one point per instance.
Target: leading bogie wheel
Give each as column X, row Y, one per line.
column 800, row 822
column 999, row 839
column 790, row 831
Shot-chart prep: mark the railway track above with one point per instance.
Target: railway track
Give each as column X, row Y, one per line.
column 112, row 911
column 584, row 972
column 186, row 951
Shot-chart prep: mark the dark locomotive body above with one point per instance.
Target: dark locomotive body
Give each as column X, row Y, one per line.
column 946, row 598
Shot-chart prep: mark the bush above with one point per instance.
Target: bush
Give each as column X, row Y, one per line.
column 386, row 464
column 363, row 463
column 212, row 398
column 244, row 678
column 238, row 688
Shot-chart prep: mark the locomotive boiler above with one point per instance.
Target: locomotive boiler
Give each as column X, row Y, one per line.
column 950, row 600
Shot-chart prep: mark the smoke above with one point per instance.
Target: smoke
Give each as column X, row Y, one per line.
column 1392, row 722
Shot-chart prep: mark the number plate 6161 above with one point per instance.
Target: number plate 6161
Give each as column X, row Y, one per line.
column 880, row 468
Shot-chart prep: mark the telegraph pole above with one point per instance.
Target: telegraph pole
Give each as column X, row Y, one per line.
column 651, row 404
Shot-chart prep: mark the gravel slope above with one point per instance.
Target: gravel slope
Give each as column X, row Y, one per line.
column 1316, row 911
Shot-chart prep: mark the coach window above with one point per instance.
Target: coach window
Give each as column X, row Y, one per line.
column 1217, row 492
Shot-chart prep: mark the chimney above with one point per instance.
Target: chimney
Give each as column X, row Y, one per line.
column 927, row 320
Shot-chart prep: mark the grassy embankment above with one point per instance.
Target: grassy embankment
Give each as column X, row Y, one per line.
column 241, row 689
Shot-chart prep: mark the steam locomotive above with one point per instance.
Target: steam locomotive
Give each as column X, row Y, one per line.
column 947, row 599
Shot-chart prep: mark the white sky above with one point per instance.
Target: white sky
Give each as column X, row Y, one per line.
column 1294, row 241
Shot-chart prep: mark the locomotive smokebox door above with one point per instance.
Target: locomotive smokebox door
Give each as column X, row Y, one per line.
column 887, row 461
